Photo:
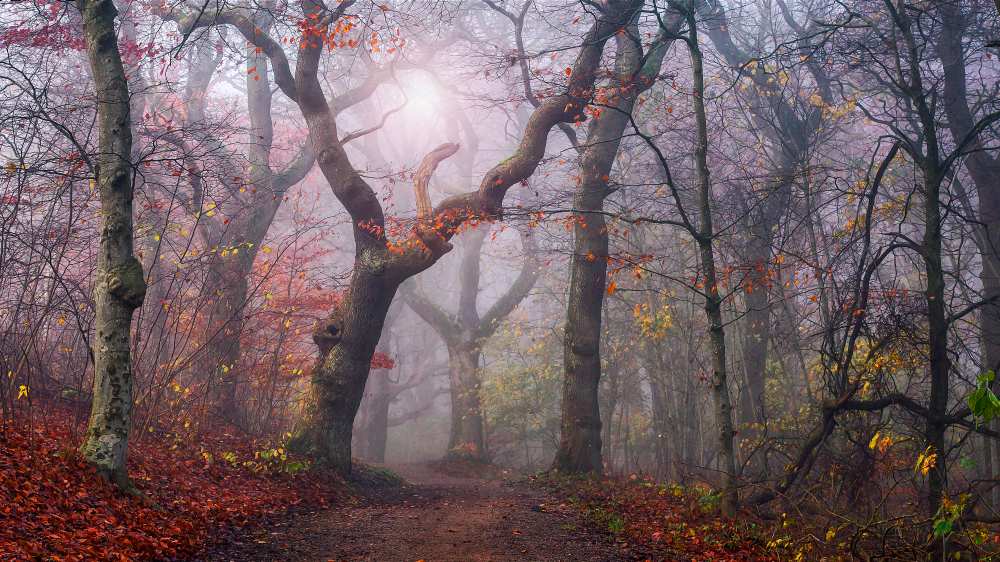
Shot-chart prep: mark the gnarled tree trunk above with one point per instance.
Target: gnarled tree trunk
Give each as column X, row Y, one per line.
column 338, row 382
column 347, row 342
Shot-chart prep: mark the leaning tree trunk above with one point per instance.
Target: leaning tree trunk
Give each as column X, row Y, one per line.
column 347, row 344
column 119, row 287
column 580, row 441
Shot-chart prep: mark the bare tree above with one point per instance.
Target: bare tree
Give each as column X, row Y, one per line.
column 465, row 333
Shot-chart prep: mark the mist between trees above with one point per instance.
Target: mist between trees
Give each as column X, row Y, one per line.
column 749, row 245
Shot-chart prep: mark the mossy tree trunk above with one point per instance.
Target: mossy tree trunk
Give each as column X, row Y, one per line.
column 466, row 439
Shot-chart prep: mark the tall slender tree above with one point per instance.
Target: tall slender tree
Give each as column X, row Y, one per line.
column 119, row 286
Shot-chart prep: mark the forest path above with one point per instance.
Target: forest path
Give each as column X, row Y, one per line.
column 434, row 517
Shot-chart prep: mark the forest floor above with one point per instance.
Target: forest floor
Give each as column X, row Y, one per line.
column 221, row 496
column 440, row 512
column 225, row 497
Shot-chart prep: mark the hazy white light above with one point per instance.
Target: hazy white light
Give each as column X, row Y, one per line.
column 423, row 98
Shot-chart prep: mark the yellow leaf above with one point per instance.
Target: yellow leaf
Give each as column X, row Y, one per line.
column 874, row 442
column 61, row 321
column 926, row 461
column 22, row 392
column 266, row 249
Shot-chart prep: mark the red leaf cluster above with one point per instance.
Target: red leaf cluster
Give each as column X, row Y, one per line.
column 382, row 361
column 56, row 35
column 53, row 505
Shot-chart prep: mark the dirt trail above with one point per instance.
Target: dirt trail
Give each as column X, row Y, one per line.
column 435, row 517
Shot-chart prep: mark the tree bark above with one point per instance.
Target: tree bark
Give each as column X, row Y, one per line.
column 377, row 426
column 230, row 285
column 757, row 330
column 580, row 444
column 338, row 382
column 119, row 286
column 932, row 166
column 937, row 324
column 662, row 431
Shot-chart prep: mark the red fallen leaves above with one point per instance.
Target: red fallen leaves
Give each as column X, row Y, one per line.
column 54, row 506
column 661, row 519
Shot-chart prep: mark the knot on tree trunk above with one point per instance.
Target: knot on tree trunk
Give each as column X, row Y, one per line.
column 127, row 284
column 328, row 333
